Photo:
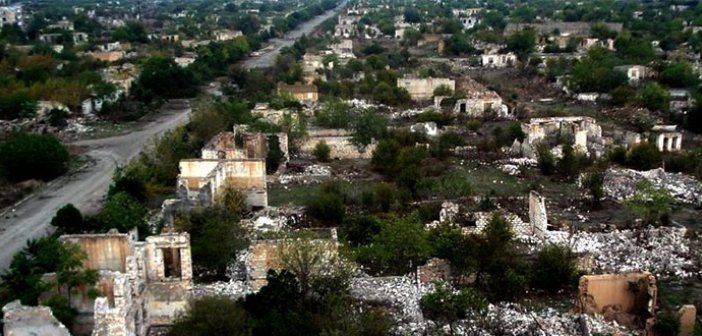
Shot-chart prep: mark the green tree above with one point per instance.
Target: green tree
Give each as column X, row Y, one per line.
column 399, row 247
column 650, row 204
column 162, row 78
column 368, row 126
column 32, row 156
column 554, row 268
column 123, row 212
column 655, row 97
column 447, row 307
column 333, row 114
column 644, row 156
column 384, row 158
column 499, row 268
column 593, row 181
column 679, row 74
column 522, row 43
column 216, row 236
column 212, row 315
column 321, row 151
column 546, row 160
column 69, row 220
column 274, row 155
column 327, row 208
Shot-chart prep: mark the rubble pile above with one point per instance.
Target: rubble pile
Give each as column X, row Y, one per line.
column 233, row 289
column 513, row 319
column 307, row 175
column 402, row 293
column 663, row 251
column 620, row 184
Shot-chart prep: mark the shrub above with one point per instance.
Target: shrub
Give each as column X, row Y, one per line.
column 327, row 209
column 69, row 220
column 644, row 156
column 27, row 156
column 546, row 160
column 554, row 268
column 123, row 212
column 274, row 155
column 322, row 151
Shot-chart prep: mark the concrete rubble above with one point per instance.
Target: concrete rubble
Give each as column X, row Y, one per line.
column 514, row 319
column 620, row 184
column 662, row 251
column 401, row 293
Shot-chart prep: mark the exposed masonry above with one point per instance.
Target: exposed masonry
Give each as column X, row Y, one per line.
column 583, row 132
column 339, row 142
column 141, row 284
column 231, row 159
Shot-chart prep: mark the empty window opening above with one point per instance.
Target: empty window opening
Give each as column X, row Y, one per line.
column 171, row 262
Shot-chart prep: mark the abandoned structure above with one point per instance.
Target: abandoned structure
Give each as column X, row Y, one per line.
column 629, row 299
column 346, row 26
column 498, row 60
column 668, row 138
column 305, row 93
column 231, row 159
column 339, row 142
column 583, row 132
column 423, row 88
column 635, row 73
column 269, row 254
column 141, row 284
column 477, row 104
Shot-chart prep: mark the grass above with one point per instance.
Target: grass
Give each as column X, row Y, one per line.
column 486, row 180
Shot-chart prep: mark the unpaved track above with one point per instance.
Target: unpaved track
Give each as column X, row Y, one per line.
column 86, row 189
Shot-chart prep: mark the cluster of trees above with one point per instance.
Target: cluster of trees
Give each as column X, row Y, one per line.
column 32, row 156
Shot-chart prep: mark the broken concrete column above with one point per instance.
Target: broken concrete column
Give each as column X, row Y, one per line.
column 537, row 214
column 686, row 316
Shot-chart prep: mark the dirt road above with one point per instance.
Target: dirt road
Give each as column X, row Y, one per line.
column 85, row 189
column 30, row 218
column 267, row 59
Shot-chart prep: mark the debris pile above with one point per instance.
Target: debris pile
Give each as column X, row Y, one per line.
column 513, row 319
column 317, row 170
column 663, row 251
column 233, row 289
column 401, row 293
column 620, row 184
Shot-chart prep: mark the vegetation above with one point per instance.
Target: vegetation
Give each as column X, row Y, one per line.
column 32, row 156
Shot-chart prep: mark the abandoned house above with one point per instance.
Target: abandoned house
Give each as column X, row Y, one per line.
column 628, row 299
column 478, row 101
column 231, row 159
column 635, row 73
column 346, row 26
column 668, row 138
column 268, row 254
column 583, row 132
column 423, row 88
column 305, row 93
column 141, row 284
column 498, row 60
column 226, row 35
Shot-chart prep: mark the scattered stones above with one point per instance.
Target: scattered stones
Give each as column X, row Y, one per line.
column 620, row 184
column 662, row 251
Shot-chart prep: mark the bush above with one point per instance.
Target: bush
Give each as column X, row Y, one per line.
column 326, row 209
column 69, row 220
column 322, row 151
column 274, row 155
column 546, row 160
column 123, row 212
column 32, row 156
column 213, row 316
column 554, row 268
column 644, row 156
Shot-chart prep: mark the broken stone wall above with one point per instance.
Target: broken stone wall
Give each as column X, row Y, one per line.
column 629, row 299
column 122, row 314
column 107, row 251
column 169, row 276
column 434, row 270
column 200, row 186
column 537, row 214
column 19, row 320
column 265, row 255
column 584, row 131
column 339, row 142
column 423, row 88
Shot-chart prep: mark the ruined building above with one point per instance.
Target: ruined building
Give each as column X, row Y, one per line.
column 141, row 284
column 423, row 88
column 583, row 132
column 231, row 159
column 668, row 138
